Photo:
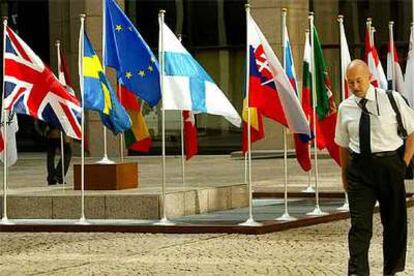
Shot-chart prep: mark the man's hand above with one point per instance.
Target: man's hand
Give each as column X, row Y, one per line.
column 344, row 157
column 409, row 149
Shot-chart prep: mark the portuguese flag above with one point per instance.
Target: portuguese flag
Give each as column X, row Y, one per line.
column 324, row 101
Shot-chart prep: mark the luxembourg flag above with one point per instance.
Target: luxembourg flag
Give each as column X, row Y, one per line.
column 187, row 86
column 277, row 99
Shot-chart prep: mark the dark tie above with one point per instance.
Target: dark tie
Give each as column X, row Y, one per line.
column 364, row 129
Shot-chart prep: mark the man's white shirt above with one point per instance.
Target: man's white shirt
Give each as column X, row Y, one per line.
column 383, row 122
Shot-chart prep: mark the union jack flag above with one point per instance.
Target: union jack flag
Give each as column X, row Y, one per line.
column 31, row 88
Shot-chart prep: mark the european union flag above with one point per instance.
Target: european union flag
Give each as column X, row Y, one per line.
column 98, row 93
column 127, row 52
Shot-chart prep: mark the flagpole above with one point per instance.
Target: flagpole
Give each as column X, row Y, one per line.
column 309, row 189
column 345, row 206
column 62, row 154
column 391, row 34
column 121, row 135
column 105, row 159
column 4, row 219
column 317, row 211
column 285, row 216
column 250, row 221
column 164, row 220
column 182, row 141
column 82, row 219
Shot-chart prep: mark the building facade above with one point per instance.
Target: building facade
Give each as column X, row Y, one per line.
column 214, row 32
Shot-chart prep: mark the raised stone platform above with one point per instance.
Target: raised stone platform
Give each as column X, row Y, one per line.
column 64, row 203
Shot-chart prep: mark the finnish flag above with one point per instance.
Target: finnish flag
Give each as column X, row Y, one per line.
column 187, row 86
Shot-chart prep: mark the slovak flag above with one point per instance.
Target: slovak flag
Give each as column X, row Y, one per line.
column 31, row 88
column 270, row 89
column 373, row 61
column 190, row 134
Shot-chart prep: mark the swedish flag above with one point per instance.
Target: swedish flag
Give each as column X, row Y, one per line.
column 98, row 93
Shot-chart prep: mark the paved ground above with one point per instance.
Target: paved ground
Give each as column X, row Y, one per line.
column 316, row 250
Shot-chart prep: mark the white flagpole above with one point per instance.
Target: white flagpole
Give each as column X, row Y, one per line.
column 105, row 159
column 121, row 135
column 164, row 220
column 62, row 154
column 309, row 189
column 391, row 33
column 285, row 216
column 82, row 219
column 317, row 211
column 250, row 221
column 345, row 206
column 182, row 142
column 4, row 219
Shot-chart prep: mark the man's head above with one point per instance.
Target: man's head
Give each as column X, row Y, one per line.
column 358, row 77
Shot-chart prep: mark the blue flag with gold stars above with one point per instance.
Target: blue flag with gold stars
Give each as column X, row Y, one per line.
column 128, row 53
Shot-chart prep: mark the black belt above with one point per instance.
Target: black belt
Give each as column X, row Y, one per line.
column 374, row 154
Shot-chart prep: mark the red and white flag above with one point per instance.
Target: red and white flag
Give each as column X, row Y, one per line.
column 373, row 61
column 190, row 134
column 345, row 59
column 394, row 74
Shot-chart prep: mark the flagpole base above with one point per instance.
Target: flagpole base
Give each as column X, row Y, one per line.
column 164, row 222
column 6, row 221
column 82, row 221
column 105, row 160
column 344, row 208
column 286, row 217
column 309, row 189
column 317, row 212
column 251, row 223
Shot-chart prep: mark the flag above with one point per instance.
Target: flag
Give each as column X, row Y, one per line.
column 137, row 138
column 31, row 88
column 345, row 60
column 190, row 134
column 301, row 142
column 187, row 86
column 397, row 76
column 373, row 61
column 12, row 127
column 98, row 94
column 270, row 89
column 63, row 72
column 324, row 104
column 256, row 123
column 130, row 56
column 408, row 91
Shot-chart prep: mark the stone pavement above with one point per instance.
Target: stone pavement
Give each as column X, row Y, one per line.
column 316, row 250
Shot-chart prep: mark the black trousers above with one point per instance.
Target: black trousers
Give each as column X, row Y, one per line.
column 381, row 179
column 54, row 173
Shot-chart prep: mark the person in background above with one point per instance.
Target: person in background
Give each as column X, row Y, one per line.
column 54, row 172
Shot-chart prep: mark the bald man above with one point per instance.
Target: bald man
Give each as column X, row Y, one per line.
column 373, row 168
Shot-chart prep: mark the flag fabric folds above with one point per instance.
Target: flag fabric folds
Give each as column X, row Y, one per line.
column 32, row 89
column 190, row 134
column 137, row 138
column 127, row 52
column 395, row 77
column 187, row 86
column 345, row 60
column 325, row 105
column 373, row 61
column 12, row 127
column 98, row 93
column 270, row 89
column 408, row 91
